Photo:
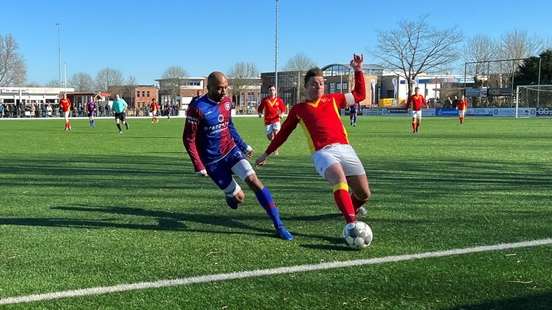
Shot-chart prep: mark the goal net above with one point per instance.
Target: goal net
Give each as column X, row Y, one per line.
column 536, row 98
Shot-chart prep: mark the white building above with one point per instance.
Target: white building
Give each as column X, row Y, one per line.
column 30, row 95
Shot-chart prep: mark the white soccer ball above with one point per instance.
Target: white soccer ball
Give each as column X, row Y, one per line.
column 357, row 235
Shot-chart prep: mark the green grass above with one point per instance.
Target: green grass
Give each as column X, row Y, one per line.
column 92, row 208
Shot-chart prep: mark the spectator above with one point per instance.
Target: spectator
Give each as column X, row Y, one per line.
column 43, row 109
column 448, row 103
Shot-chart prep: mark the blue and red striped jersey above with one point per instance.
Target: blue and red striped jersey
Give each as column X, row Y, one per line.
column 209, row 133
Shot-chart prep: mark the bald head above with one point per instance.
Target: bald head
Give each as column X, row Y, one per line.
column 217, row 86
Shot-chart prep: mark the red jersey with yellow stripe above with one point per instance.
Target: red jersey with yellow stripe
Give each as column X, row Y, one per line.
column 269, row 107
column 320, row 119
column 415, row 102
column 65, row 104
column 462, row 105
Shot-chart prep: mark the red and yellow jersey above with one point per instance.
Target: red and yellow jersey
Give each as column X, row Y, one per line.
column 320, row 119
column 415, row 102
column 462, row 105
column 65, row 105
column 269, row 107
column 154, row 106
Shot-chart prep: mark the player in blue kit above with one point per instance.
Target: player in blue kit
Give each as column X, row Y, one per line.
column 91, row 110
column 217, row 150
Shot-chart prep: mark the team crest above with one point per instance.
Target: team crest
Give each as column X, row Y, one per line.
column 220, row 118
column 227, row 105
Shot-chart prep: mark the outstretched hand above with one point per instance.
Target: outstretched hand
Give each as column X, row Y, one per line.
column 260, row 161
column 357, row 62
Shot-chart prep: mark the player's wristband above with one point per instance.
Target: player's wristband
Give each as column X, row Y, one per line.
column 249, row 149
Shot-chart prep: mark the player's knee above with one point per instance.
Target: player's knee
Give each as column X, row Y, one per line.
column 253, row 182
column 364, row 195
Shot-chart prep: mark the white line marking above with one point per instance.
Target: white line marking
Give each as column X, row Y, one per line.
column 266, row 272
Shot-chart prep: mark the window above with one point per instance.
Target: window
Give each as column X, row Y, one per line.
column 148, row 93
column 138, row 94
column 250, row 97
column 345, row 87
column 332, row 88
column 143, row 93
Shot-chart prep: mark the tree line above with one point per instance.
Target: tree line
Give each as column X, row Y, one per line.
column 410, row 49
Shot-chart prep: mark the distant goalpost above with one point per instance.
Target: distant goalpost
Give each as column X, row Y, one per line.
column 533, row 96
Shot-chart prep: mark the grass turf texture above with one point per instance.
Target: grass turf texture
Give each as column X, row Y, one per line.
column 90, row 207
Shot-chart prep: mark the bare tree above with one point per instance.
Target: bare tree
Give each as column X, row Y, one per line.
column 518, row 44
column 299, row 62
column 515, row 45
column 13, row 70
column 175, row 76
column 130, row 90
column 32, row 84
column 242, row 76
column 131, row 81
column 109, row 78
column 52, row 83
column 81, row 82
column 416, row 47
column 478, row 50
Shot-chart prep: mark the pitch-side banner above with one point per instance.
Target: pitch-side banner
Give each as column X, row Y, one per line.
column 497, row 112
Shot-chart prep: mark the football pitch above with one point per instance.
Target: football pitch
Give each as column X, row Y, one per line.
column 93, row 219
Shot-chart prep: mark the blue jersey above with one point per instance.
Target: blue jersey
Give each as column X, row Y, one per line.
column 209, row 133
column 91, row 107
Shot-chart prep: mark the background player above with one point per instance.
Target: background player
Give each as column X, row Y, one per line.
column 217, row 150
column 353, row 111
column 462, row 106
column 65, row 106
column 332, row 155
column 154, row 108
column 91, row 111
column 273, row 108
column 415, row 103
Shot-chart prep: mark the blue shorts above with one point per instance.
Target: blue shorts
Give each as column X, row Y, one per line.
column 221, row 171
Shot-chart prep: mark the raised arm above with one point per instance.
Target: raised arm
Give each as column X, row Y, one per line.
column 359, row 92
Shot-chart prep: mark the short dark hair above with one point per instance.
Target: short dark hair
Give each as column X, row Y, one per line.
column 313, row 72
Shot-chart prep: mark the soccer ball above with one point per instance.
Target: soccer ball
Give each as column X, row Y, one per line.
column 357, row 235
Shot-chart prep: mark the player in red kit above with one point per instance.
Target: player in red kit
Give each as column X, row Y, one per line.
column 272, row 107
column 462, row 106
column 154, row 108
column 415, row 103
column 65, row 106
column 332, row 155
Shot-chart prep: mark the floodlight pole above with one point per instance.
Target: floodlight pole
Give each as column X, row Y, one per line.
column 276, row 53
column 539, row 81
column 59, row 53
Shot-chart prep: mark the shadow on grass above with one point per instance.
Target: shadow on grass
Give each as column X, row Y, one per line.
column 536, row 302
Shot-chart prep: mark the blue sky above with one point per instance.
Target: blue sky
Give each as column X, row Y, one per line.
column 144, row 38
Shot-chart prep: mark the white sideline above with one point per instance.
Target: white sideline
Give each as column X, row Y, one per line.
column 266, row 272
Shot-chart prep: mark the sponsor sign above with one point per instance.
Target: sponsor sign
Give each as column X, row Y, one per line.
column 504, row 112
column 446, row 112
column 476, row 92
column 527, row 112
column 480, row 112
column 499, row 92
column 544, row 111
column 396, row 112
column 371, row 112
